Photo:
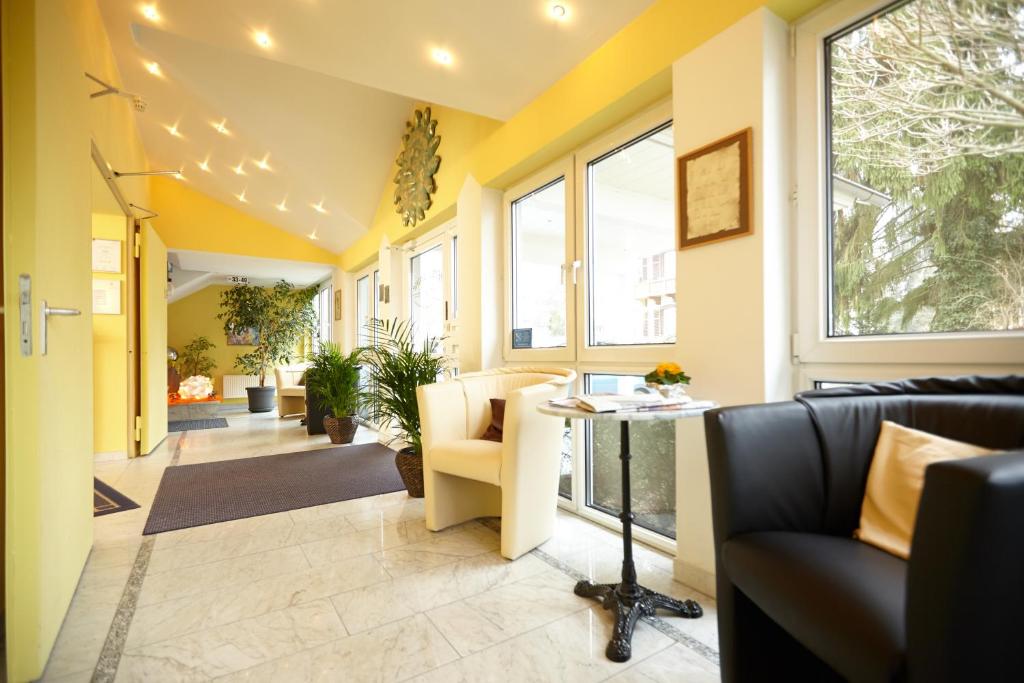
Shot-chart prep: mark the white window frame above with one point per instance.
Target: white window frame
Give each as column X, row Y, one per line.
column 641, row 354
column 366, row 272
column 560, row 169
column 813, row 344
column 442, row 237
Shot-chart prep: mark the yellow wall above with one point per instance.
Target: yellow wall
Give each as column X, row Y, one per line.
column 48, row 121
column 196, row 315
column 191, row 220
column 629, row 72
column 110, row 353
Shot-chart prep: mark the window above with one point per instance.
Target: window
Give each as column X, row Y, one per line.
column 538, row 265
column 322, row 305
column 454, row 295
column 592, row 285
column 926, row 201
column 631, row 238
column 426, row 311
column 652, row 472
column 911, row 215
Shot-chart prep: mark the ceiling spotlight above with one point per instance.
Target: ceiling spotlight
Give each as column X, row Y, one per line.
column 281, row 206
column 239, row 170
column 150, row 12
column 173, row 130
column 442, row 57
column 221, row 128
column 262, row 163
column 319, row 207
column 204, row 165
column 154, row 68
column 558, row 12
column 313, row 235
column 180, row 176
column 262, row 39
column 241, row 197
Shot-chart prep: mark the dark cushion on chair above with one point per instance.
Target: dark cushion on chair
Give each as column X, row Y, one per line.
column 842, row 599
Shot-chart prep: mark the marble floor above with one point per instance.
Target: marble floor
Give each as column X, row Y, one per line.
column 351, row 591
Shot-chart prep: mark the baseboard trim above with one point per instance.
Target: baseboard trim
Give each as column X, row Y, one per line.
column 110, row 456
column 694, row 577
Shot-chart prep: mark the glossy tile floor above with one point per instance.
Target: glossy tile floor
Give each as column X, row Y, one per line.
column 355, row 591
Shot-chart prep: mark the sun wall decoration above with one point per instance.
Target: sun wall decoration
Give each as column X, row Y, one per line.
column 417, row 163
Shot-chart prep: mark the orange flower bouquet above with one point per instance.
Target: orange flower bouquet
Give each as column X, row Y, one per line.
column 667, row 373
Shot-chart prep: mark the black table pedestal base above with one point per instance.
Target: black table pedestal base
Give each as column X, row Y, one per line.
column 628, row 599
column 629, row 603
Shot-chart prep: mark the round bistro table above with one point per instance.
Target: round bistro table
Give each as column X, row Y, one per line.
column 628, row 599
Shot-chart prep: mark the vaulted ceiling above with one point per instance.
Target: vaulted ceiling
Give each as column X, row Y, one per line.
column 313, row 94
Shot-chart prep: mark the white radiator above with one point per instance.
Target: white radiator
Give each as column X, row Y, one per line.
column 234, row 385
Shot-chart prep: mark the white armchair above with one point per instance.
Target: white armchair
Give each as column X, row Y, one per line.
column 466, row 477
column 291, row 396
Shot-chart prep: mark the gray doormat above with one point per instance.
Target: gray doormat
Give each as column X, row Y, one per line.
column 194, row 495
column 191, row 425
column 106, row 499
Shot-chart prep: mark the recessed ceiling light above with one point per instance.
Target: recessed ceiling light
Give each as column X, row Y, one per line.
column 220, row 127
column 312, row 235
column 262, row 163
column 559, row 12
column 173, row 130
column 442, row 56
column 154, row 68
column 262, row 39
column 319, row 207
column 281, row 206
column 239, row 170
column 150, row 12
column 204, row 165
column 241, row 197
column 180, row 176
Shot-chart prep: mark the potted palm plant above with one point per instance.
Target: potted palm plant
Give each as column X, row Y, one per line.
column 332, row 382
column 397, row 365
column 278, row 317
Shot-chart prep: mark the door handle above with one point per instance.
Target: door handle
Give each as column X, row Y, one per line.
column 47, row 312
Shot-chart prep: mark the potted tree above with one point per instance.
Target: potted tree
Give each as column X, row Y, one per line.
column 278, row 317
column 396, row 368
column 332, row 383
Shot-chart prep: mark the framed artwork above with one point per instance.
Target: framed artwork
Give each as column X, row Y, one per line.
column 714, row 185
column 337, row 304
column 246, row 336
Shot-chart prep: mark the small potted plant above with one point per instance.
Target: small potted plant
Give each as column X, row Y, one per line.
column 668, row 379
column 278, row 317
column 332, row 382
column 193, row 361
column 397, row 366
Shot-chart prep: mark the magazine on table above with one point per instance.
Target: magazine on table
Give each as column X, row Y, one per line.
column 627, row 403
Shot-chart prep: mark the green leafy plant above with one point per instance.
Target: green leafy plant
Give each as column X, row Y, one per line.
column 332, row 379
column 396, row 368
column 667, row 373
column 193, row 359
column 280, row 315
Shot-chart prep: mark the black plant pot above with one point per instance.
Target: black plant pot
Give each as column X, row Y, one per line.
column 261, row 399
column 314, row 416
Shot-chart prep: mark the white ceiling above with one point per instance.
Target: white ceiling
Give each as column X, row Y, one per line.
column 196, row 270
column 328, row 99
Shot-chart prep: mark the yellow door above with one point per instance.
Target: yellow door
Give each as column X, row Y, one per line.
column 153, row 337
column 46, row 233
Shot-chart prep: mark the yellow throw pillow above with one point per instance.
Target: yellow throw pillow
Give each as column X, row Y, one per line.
column 895, row 481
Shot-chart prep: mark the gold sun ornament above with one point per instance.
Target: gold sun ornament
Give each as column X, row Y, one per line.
column 417, row 164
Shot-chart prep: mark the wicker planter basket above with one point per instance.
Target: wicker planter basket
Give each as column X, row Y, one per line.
column 410, row 466
column 340, row 429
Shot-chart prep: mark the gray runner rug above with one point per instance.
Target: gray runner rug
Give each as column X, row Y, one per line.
column 207, row 493
column 192, row 425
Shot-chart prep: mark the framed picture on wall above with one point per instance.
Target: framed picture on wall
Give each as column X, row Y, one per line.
column 337, row 304
column 246, row 336
column 714, row 185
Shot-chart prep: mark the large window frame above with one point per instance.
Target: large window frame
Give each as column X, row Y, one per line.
column 813, row 345
column 445, row 238
column 578, row 354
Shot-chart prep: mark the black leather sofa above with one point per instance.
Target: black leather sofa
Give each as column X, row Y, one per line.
column 800, row 599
